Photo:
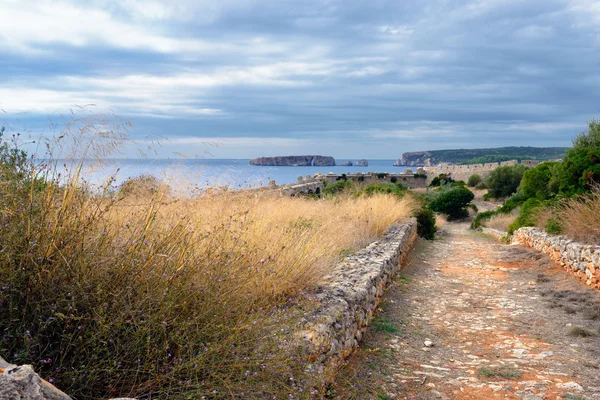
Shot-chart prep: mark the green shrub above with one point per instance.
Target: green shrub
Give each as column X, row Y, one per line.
column 580, row 168
column 536, row 182
column 527, row 215
column 382, row 175
column 361, row 178
column 553, row 226
column 390, row 188
column 393, row 179
column 481, row 186
column 504, row 181
column 482, row 216
column 426, row 224
column 441, row 180
column 336, row 187
column 474, row 180
column 452, row 202
column 420, row 176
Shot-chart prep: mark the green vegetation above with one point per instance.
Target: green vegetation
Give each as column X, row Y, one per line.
column 561, row 197
column 337, row 187
column 480, row 156
column 385, row 325
column 426, row 223
column 474, row 180
column 441, row 180
column 504, row 181
column 452, row 202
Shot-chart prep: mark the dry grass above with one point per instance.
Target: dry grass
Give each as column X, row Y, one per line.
column 499, row 222
column 138, row 294
column 580, row 217
column 440, row 220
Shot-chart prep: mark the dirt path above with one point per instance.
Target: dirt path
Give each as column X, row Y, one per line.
column 504, row 323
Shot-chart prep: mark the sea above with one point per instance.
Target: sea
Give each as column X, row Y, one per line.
column 233, row 173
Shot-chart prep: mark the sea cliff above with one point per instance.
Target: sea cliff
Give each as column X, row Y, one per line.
column 294, row 161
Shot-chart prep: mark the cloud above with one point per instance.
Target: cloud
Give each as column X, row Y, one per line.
column 347, row 76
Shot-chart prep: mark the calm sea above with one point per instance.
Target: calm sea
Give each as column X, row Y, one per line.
column 236, row 173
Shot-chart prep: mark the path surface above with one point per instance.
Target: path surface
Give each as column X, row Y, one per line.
column 505, row 323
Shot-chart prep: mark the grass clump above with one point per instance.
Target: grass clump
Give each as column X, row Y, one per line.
column 384, row 325
column 578, row 331
column 506, row 373
column 141, row 295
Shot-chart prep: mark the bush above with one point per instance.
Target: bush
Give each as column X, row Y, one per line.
column 481, row 217
column 474, row 180
column 336, row 187
column 441, row 180
column 426, row 224
column 504, row 181
column 453, row 202
column 385, row 188
column 536, row 181
column 393, row 179
column 581, row 165
column 481, row 186
column 527, row 215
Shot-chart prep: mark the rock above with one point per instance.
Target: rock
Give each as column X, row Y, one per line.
column 21, row 382
column 574, row 386
column 294, row 161
column 362, row 163
column 398, row 163
column 428, row 343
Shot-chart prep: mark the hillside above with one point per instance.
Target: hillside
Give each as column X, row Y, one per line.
column 476, row 156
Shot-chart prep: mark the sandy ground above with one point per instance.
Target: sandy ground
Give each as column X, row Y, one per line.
column 471, row 318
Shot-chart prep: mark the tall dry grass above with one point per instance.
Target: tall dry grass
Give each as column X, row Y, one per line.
column 499, row 222
column 138, row 294
column 579, row 217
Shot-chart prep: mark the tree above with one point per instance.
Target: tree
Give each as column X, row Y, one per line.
column 581, row 165
column 452, row 202
column 537, row 181
column 504, row 181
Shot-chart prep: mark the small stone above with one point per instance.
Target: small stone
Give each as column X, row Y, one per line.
column 570, row 386
column 428, row 343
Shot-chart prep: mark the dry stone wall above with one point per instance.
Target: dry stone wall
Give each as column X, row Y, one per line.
column 581, row 260
column 463, row 172
column 349, row 299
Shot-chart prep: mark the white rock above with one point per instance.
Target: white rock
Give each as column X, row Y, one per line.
column 570, row 386
column 428, row 343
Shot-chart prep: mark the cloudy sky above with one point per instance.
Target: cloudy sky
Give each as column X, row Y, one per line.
column 275, row 77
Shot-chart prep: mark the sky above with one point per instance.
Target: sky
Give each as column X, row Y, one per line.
column 363, row 79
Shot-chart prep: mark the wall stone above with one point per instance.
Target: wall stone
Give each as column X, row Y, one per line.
column 579, row 259
column 349, row 299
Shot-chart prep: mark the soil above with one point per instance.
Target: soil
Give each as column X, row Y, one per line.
column 472, row 318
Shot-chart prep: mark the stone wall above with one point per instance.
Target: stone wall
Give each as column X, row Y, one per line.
column 579, row 259
column 463, row 172
column 349, row 299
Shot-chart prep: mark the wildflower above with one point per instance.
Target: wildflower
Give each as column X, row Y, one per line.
column 51, row 380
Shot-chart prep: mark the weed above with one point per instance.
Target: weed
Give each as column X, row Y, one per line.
column 384, row 325
column 146, row 296
column 506, row 373
column 403, row 279
column 578, row 331
column 592, row 314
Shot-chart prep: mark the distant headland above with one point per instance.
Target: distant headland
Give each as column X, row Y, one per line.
column 479, row 156
column 304, row 161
